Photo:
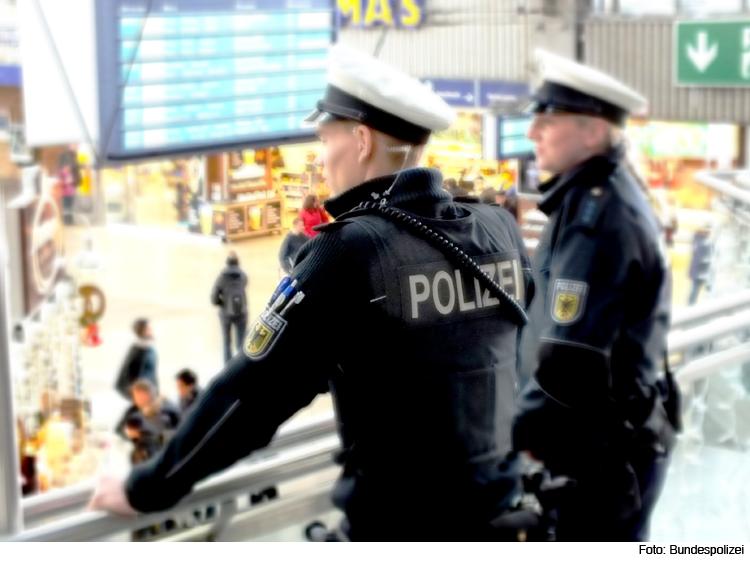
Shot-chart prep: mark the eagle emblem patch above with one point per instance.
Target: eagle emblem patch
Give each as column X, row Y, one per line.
column 263, row 334
column 568, row 301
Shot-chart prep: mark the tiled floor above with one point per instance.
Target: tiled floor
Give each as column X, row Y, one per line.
column 167, row 275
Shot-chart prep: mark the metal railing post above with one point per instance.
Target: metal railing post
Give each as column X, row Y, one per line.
column 11, row 520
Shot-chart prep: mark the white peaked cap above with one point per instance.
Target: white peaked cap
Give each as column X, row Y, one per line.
column 366, row 90
column 573, row 87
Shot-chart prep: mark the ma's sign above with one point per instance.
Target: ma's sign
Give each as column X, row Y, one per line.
column 372, row 13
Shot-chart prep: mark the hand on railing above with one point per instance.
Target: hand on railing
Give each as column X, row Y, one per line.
column 109, row 495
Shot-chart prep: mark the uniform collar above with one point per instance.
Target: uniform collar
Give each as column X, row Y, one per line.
column 413, row 184
column 594, row 171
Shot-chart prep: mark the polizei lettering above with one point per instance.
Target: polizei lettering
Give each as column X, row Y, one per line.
column 438, row 292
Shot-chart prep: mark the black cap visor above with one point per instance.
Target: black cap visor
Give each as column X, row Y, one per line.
column 555, row 98
column 341, row 105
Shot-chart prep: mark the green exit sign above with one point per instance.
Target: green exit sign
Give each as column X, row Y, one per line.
column 712, row 54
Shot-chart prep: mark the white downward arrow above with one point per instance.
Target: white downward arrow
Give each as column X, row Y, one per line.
column 702, row 56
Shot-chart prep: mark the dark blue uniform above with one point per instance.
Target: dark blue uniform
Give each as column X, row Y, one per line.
column 422, row 358
column 594, row 407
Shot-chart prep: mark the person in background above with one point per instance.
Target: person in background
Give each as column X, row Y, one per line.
column 148, row 426
column 467, row 186
column 140, row 361
column 700, row 265
column 312, row 214
column 292, row 243
column 478, row 185
column 510, row 203
column 145, row 442
column 158, row 415
column 187, row 388
column 487, row 195
column 452, row 187
column 69, row 173
column 600, row 408
column 229, row 295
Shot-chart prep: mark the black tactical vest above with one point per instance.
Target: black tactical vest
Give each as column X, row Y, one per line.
column 426, row 391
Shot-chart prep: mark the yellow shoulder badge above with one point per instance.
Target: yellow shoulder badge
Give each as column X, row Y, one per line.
column 263, row 334
column 568, row 301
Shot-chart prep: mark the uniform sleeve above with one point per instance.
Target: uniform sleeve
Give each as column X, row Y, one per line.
column 246, row 402
column 591, row 278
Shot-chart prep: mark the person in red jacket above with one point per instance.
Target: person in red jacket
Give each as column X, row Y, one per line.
column 313, row 214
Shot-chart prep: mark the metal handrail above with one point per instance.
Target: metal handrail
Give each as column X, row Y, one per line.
column 309, row 430
column 710, row 309
column 680, row 341
column 288, row 465
column 717, row 180
column 707, row 365
column 76, row 497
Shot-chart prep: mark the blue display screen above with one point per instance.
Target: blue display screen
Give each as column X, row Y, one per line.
column 191, row 76
column 511, row 137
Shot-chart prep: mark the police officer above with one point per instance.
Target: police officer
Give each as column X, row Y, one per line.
column 595, row 410
column 415, row 304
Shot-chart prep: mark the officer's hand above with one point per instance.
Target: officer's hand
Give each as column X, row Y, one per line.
column 109, row 495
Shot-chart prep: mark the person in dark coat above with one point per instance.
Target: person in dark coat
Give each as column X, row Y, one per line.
column 141, row 360
column 145, row 442
column 158, row 415
column 599, row 408
column 229, row 295
column 293, row 242
column 148, row 425
column 187, row 387
column 700, row 265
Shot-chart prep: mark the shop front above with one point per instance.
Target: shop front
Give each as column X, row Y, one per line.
column 669, row 156
column 470, row 152
column 51, row 413
column 233, row 195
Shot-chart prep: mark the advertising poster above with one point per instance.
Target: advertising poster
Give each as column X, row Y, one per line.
column 254, row 218
column 43, row 254
column 219, row 221
column 193, row 213
column 235, row 222
column 273, row 215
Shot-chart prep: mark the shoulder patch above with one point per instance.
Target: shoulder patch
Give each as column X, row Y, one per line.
column 568, row 301
column 263, row 334
column 591, row 207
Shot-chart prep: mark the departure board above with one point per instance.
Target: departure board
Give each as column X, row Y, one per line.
column 511, row 140
column 192, row 76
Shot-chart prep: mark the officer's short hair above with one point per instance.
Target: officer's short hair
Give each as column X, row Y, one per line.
column 298, row 221
column 187, row 377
